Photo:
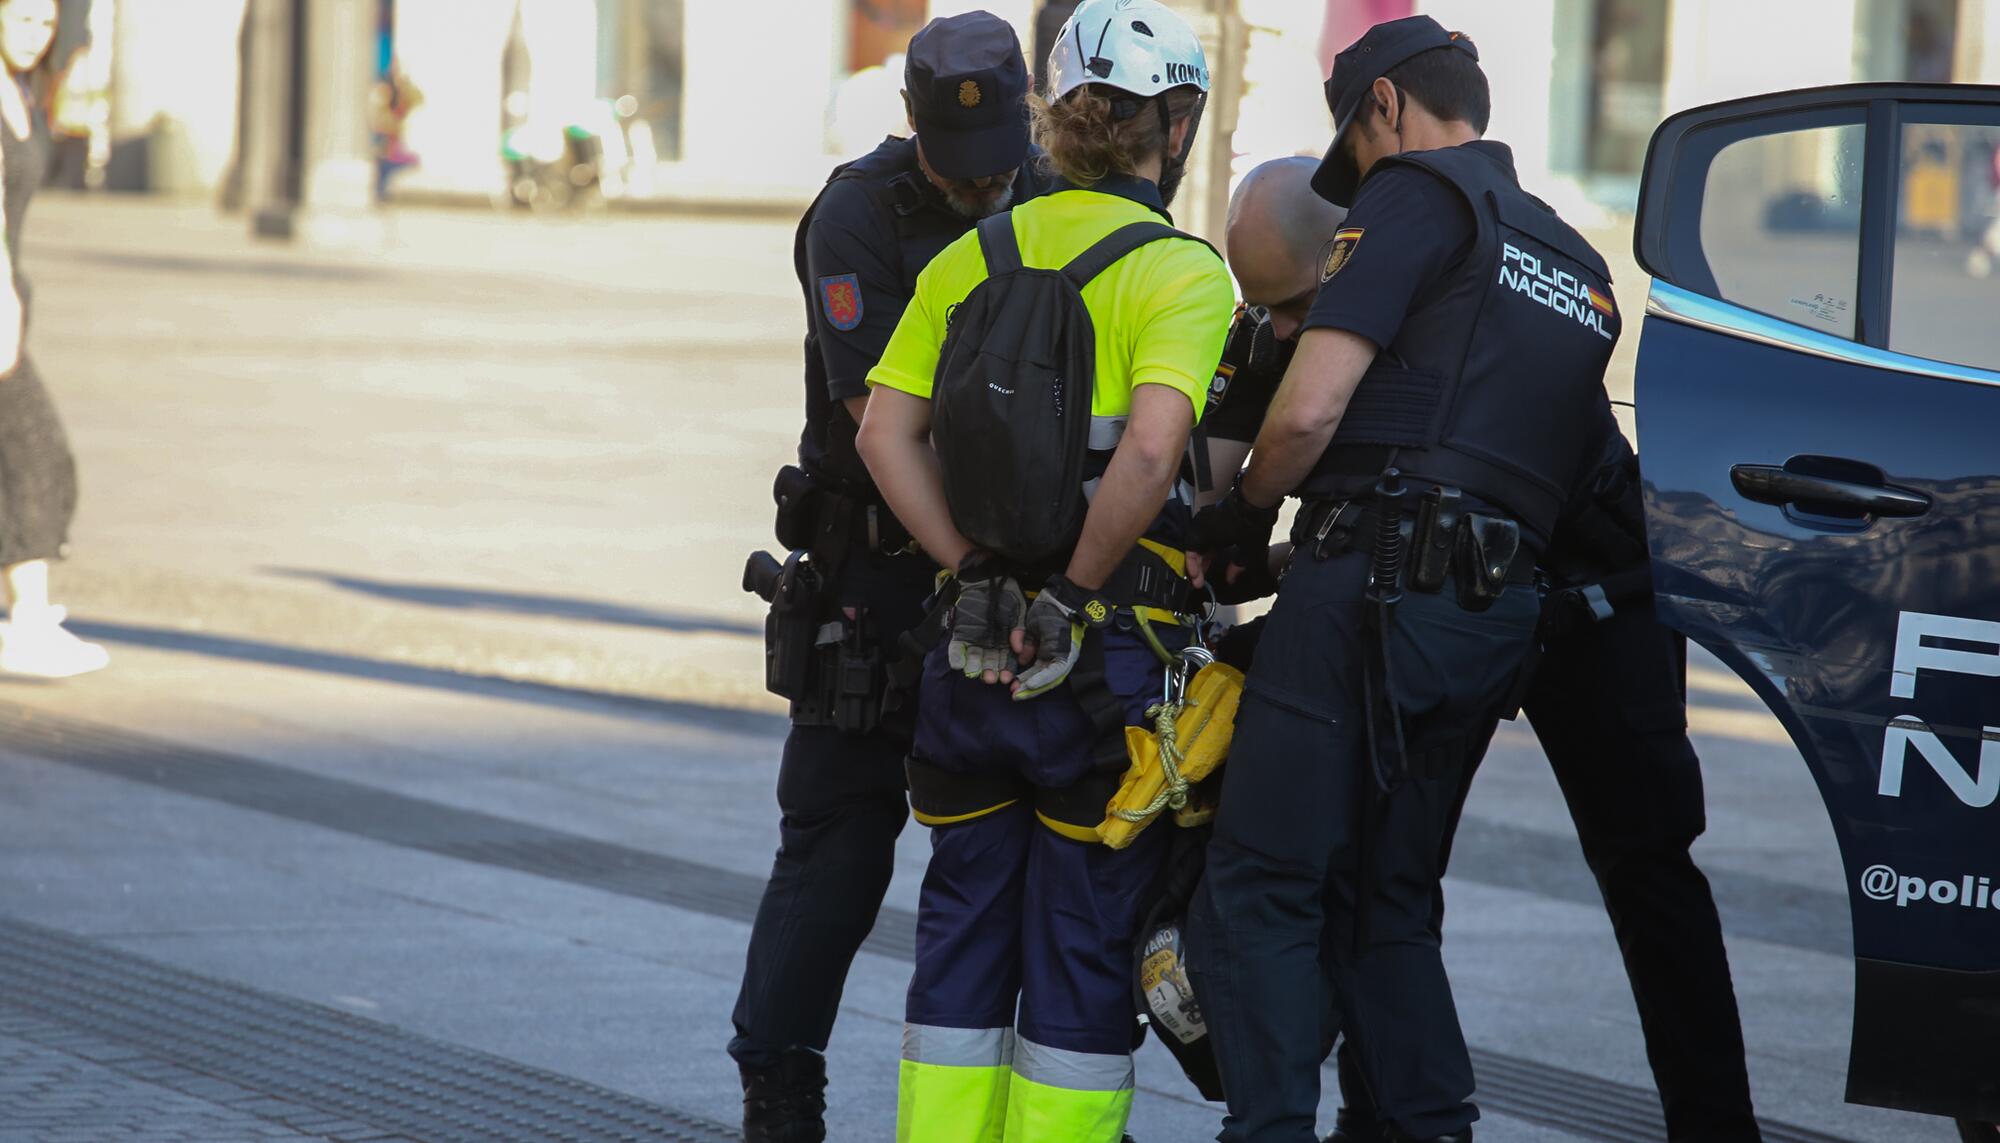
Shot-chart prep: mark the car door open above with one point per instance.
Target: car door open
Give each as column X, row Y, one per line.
column 1818, row 395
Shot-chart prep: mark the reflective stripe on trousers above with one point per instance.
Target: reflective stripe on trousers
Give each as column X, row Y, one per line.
column 952, row 1087
column 1057, row 1094
column 985, row 1085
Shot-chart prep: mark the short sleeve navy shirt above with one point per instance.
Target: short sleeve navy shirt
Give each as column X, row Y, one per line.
column 856, row 273
column 1406, row 231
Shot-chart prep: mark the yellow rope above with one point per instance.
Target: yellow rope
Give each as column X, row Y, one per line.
column 1175, row 795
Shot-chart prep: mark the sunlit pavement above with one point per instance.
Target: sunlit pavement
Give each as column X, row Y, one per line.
column 433, row 746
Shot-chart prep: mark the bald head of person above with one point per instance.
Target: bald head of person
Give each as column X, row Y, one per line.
column 1278, row 231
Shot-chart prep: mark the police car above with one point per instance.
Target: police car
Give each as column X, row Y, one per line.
column 1818, row 398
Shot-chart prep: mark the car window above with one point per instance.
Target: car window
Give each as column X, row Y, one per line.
column 1946, row 299
column 1781, row 224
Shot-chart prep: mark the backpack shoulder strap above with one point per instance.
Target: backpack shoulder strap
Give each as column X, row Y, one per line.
column 997, row 243
column 1115, row 245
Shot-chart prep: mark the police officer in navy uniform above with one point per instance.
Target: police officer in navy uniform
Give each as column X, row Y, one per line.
column 1445, row 392
column 1607, row 703
column 879, row 220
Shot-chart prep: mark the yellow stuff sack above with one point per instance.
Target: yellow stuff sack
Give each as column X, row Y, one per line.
column 1175, row 753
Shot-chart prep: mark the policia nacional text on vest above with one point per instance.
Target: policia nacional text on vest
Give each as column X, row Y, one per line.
column 1468, row 395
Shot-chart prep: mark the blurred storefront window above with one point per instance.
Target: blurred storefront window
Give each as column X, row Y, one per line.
column 1913, row 40
column 644, row 74
column 878, row 29
column 1628, row 70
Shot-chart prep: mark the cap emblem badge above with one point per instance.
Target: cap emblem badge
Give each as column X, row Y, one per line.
column 969, row 94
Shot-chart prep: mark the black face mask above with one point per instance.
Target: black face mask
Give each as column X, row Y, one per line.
column 1276, row 355
column 1174, row 167
column 1254, row 347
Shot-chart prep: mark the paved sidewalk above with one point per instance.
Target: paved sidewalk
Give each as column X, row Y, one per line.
column 52, row 1096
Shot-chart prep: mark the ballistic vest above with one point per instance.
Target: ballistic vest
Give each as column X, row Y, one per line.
column 1494, row 383
column 924, row 226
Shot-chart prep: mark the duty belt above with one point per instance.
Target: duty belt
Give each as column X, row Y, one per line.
column 1331, row 527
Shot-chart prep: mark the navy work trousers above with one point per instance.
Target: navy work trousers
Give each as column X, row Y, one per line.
column 1307, row 853
column 843, row 804
column 1013, row 916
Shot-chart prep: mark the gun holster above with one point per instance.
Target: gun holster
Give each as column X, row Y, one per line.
column 792, row 628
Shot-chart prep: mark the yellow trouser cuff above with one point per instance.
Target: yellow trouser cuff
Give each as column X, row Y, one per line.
column 939, row 1103
column 1037, row 1112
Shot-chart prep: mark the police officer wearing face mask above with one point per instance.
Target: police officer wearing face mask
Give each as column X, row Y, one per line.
column 879, row 221
column 1607, row 702
column 1445, row 391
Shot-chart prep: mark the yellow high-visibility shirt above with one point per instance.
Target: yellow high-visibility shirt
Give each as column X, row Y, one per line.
column 1161, row 313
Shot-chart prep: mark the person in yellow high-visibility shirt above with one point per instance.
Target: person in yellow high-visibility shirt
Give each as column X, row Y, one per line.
column 1082, row 314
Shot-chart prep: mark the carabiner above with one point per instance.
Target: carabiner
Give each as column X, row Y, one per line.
column 1187, row 664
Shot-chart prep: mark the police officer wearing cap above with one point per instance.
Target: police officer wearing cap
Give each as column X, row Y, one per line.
column 879, row 220
column 1607, row 702
column 1442, row 397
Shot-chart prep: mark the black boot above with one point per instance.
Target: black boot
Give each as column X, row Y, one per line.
column 786, row 1103
column 1355, row 1127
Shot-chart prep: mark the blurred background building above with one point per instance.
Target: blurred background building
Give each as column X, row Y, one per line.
column 559, row 103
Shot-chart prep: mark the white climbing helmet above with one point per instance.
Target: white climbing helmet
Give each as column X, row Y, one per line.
column 1140, row 46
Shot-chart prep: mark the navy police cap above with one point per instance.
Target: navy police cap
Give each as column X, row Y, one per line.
column 1379, row 50
column 966, row 79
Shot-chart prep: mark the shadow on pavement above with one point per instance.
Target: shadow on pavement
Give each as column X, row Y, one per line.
column 522, row 603
column 693, row 714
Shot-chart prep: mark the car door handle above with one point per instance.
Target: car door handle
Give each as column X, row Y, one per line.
column 1776, row 484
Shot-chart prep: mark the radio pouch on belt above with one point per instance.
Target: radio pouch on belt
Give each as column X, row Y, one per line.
column 858, row 678
column 1436, row 534
column 1486, row 549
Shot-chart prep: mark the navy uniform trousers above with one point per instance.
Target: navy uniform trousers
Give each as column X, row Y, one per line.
column 1304, row 846
column 843, row 804
column 1608, row 705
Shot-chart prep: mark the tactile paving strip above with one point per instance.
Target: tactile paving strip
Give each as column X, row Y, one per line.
column 304, row 1056
column 1579, row 1104
column 1588, row 1106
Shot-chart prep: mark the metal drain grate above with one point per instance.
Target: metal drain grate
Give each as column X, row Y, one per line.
column 1579, row 1104
column 332, row 1062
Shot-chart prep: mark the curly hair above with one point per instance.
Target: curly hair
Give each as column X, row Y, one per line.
column 1084, row 141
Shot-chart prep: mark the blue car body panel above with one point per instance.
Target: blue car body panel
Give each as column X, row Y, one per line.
column 1808, row 612
column 1873, row 636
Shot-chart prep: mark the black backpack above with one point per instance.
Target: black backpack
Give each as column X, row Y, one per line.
column 1010, row 408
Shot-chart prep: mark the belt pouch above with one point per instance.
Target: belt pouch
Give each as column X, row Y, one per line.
column 798, row 496
column 1438, row 516
column 1486, row 549
column 857, row 689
